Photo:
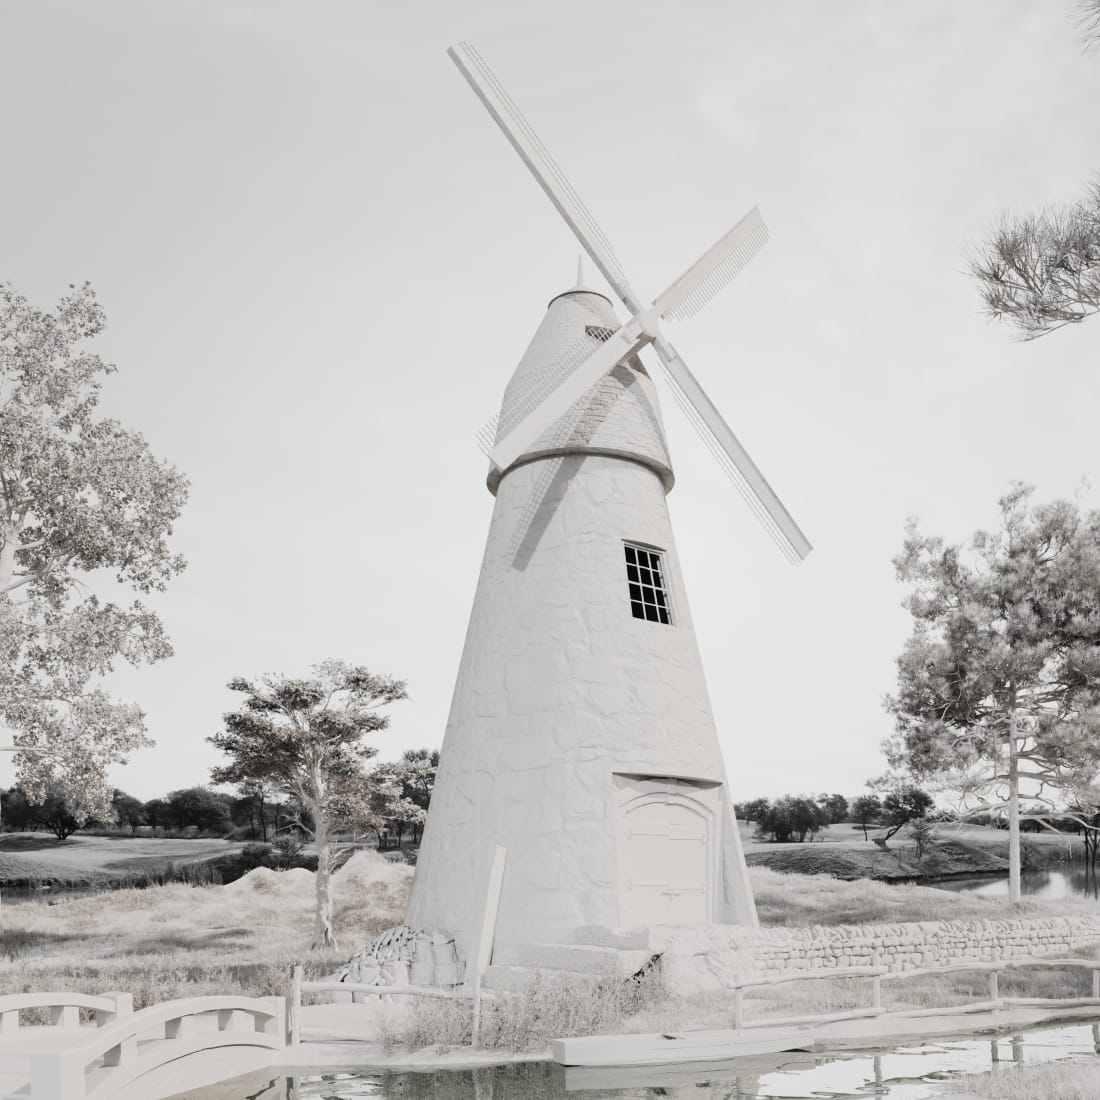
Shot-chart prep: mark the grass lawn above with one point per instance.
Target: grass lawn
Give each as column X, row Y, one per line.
column 84, row 859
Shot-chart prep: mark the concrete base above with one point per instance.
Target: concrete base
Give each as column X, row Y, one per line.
column 580, row 958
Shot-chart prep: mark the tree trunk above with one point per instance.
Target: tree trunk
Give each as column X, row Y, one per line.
column 1013, row 807
column 323, row 935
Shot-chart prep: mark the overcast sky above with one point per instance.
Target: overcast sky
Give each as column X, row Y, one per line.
column 321, row 262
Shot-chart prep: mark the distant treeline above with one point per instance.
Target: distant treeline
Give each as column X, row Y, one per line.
column 253, row 813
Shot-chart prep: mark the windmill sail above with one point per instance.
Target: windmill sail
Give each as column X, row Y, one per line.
column 689, row 293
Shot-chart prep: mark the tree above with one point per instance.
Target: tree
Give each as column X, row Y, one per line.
column 835, row 807
column 79, row 496
column 902, row 806
column 156, row 813
column 254, row 808
column 999, row 683
column 793, row 819
column 128, row 811
column 53, row 812
column 412, row 779
column 865, row 809
column 753, row 810
column 15, row 811
column 200, row 808
column 303, row 737
column 1042, row 271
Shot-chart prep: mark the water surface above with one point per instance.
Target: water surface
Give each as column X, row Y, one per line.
column 1068, row 882
column 900, row 1073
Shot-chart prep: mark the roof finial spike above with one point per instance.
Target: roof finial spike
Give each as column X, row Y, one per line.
column 580, row 269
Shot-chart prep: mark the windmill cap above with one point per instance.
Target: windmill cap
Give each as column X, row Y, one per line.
column 580, row 288
column 618, row 417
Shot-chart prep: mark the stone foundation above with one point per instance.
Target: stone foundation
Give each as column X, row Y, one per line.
column 701, row 959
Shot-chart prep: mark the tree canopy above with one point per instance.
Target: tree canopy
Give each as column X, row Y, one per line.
column 303, row 737
column 1041, row 271
column 999, row 682
column 80, row 498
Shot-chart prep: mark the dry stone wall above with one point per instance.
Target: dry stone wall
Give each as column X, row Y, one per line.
column 711, row 958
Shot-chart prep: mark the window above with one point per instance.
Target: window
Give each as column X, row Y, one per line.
column 646, row 583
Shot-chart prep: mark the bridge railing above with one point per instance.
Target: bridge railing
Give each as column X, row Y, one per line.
column 92, row 1062
column 357, row 991
column 63, row 1009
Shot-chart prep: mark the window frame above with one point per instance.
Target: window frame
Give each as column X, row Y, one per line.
column 648, row 577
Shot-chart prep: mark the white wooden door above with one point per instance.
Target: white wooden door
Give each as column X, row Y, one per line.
column 666, row 864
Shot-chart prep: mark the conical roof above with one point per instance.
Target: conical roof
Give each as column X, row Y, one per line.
column 618, row 416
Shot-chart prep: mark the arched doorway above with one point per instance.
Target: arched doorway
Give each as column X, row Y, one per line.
column 667, row 854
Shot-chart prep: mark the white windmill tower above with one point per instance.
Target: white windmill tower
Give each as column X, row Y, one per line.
column 580, row 735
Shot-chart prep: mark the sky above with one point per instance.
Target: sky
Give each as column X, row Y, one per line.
column 321, row 262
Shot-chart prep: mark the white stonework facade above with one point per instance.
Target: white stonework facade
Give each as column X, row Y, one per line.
column 580, row 738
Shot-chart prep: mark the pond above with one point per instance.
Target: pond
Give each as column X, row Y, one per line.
column 900, row 1073
column 1066, row 882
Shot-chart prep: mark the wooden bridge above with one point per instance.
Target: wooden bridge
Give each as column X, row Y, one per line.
column 67, row 1059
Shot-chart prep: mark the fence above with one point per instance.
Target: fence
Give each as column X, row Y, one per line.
column 876, row 975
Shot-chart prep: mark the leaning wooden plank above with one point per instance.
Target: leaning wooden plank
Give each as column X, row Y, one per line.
column 810, row 975
column 824, row 1018
column 372, row 990
column 952, row 1010
column 684, row 1046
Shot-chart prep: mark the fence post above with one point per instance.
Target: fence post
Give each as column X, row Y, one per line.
column 294, row 1004
column 1096, row 981
column 876, row 984
column 482, row 954
column 994, row 988
column 738, row 1009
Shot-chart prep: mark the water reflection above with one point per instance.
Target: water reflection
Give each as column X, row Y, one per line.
column 1069, row 882
column 902, row 1073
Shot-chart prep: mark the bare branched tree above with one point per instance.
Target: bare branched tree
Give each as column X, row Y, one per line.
column 1042, row 271
column 1089, row 21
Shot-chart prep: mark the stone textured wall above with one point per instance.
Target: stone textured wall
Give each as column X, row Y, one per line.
column 923, row 943
column 710, row 958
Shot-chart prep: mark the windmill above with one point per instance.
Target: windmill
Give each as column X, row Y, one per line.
column 580, row 735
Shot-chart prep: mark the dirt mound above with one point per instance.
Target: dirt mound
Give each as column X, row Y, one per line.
column 366, row 869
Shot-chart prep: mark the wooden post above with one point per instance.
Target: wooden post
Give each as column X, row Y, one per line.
column 1096, row 985
column 994, row 988
column 876, row 984
column 294, row 1004
column 482, row 954
column 738, row 1009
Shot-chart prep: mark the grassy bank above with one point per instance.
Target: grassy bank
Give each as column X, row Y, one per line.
column 1052, row 1081
column 955, row 850
column 177, row 940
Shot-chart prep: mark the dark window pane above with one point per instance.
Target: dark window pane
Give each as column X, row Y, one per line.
column 660, row 597
column 631, row 572
column 635, row 592
column 637, row 610
column 631, row 555
column 646, row 576
column 651, row 614
column 663, row 613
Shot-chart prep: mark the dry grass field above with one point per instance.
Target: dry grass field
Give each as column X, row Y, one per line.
column 174, row 941
column 179, row 940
